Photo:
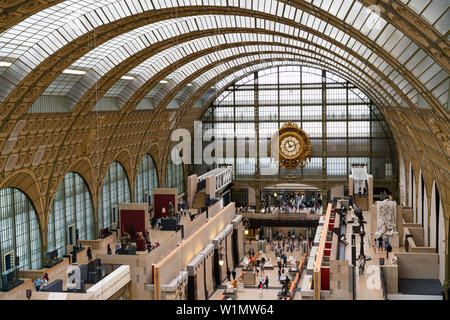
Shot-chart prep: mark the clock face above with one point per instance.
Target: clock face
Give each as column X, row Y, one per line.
column 294, row 146
column 290, row 146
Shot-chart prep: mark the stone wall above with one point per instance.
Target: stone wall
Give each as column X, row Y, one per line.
column 418, row 265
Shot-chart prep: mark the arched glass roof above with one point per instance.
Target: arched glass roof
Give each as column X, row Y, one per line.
column 355, row 37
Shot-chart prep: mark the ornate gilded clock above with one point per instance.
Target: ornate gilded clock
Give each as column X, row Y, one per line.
column 294, row 146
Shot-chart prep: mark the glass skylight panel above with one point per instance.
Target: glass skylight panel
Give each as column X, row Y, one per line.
column 422, row 66
column 363, row 17
column 429, row 73
column 443, row 24
column 117, row 10
column 437, row 79
column 418, row 5
column 434, row 10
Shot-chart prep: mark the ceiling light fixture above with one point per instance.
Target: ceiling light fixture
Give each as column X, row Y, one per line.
column 127, row 78
column 71, row 71
column 163, row 81
column 5, row 64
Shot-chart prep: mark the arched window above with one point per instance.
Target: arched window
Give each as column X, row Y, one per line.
column 175, row 176
column 71, row 211
column 147, row 179
column 115, row 190
column 338, row 117
column 19, row 231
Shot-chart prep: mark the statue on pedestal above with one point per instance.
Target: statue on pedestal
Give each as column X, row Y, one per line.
column 386, row 217
column 125, row 241
column 171, row 210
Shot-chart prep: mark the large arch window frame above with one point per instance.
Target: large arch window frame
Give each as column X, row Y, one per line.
column 115, row 189
column 233, row 119
column 72, row 206
column 146, row 180
column 19, row 230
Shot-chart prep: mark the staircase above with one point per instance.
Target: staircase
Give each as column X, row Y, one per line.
column 199, row 199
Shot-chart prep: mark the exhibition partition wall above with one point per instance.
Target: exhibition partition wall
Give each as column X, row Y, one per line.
column 132, row 222
column 208, row 255
column 238, row 240
column 161, row 199
column 172, row 264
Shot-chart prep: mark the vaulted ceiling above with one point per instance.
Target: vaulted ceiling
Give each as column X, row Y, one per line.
column 109, row 75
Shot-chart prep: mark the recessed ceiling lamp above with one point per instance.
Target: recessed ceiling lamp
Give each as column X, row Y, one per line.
column 189, row 85
column 5, row 64
column 163, row 81
column 127, row 78
column 71, row 71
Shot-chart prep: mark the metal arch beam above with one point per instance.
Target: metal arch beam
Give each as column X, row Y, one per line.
column 410, row 23
column 111, row 135
column 399, row 15
column 200, row 92
column 143, row 90
column 157, row 78
column 18, row 101
column 189, row 79
column 205, row 87
column 402, row 17
column 173, row 92
column 108, row 80
column 13, row 12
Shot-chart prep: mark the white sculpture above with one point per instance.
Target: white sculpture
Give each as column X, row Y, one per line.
column 386, row 217
column 245, row 262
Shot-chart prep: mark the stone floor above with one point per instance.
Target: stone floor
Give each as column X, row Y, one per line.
column 253, row 293
column 368, row 286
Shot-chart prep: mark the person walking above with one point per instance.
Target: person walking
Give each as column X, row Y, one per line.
column 386, row 242
column 279, row 274
column 380, row 243
column 44, row 283
column 228, row 274
column 388, row 249
column 109, row 251
column 361, row 265
column 279, row 262
column 233, row 274
column 284, row 260
column 266, row 282
column 37, row 283
column 261, row 282
column 89, row 254
column 375, row 245
column 117, row 247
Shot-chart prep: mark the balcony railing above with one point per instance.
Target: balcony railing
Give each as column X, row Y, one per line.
column 10, row 279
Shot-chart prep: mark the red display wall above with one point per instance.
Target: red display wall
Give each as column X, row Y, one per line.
column 162, row 200
column 325, row 278
column 135, row 218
